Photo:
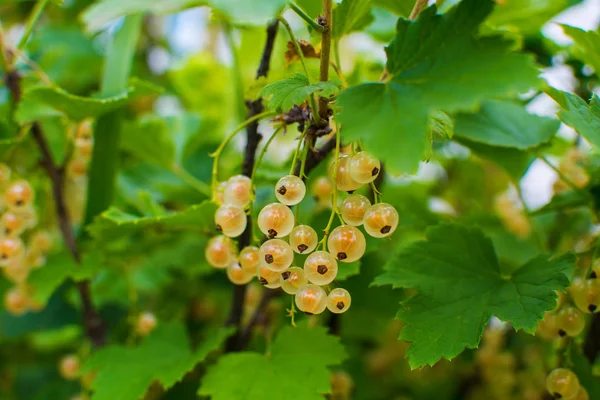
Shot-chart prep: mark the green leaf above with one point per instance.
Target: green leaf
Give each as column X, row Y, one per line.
column 527, row 16
column 44, row 101
column 351, row 15
column 587, row 46
column 505, row 124
column 579, row 115
column 398, row 7
column 441, row 124
column 125, row 373
column 565, row 201
column 460, row 285
column 57, row 270
column 286, row 93
column 514, row 162
column 115, row 223
column 427, row 75
column 149, row 140
column 256, row 12
column 295, row 368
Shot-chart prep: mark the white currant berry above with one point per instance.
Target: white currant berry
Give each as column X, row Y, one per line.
column 238, row 191
column 219, row 252
column 41, row 241
column 320, row 268
column 570, row 321
column 338, row 301
column 249, row 259
column 364, row 168
column 220, row 193
column 346, row 243
column 269, row 278
column 322, row 189
column 311, row 299
column 17, row 270
column 230, row 220
column 344, row 180
column 381, row 220
column 276, row 220
column 237, row 275
column 276, row 255
column 19, row 195
column 292, row 279
column 353, row 209
column 10, row 249
column 586, row 295
column 562, row 383
column 303, row 239
column 146, row 323
column 16, row 301
column 69, row 367
column 290, row 190
column 12, row 224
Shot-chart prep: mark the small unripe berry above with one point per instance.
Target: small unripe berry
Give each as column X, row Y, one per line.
column 292, row 279
column 303, row 239
column 276, row 220
column 344, row 180
column 311, row 299
column 16, row 301
column 320, row 268
column 338, row 301
column 249, row 259
column 10, row 249
column 586, row 295
column 12, row 224
column 276, row 255
column 381, row 220
column 19, row 195
column 570, row 321
column 219, row 252
column 346, row 243
column 290, row 190
column 364, row 168
column 353, row 209
column 269, row 278
column 562, row 383
column 230, row 220
column 237, row 275
column 146, row 323
column 238, row 191
column 69, row 367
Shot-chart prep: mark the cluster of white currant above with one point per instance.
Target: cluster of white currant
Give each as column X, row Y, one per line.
column 77, row 170
column 273, row 261
column 16, row 259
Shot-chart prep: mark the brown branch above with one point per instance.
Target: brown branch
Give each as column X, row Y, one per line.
column 325, row 20
column 418, row 7
column 253, row 138
column 257, row 317
column 94, row 326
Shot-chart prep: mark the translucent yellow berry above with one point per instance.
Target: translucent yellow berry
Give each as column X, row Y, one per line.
column 292, row 279
column 249, row 259
column 344, row 180
column 276, row 255
column 69, row 367
column 353, row 209
column 320, row 268
column 364, row 168
column 311, row 299
column 346, row 243
column 238, row 191
column 237, row 275
column 269, row 278
column 562, row 384
column 303, row 239
column 290, row 190
column 276, row 220
column 230, row 220
column 219, row 252
column 146, row 323
column 338, row 301
column 381, row 220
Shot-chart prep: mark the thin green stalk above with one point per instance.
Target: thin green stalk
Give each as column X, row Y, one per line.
column 375, row 192
column 295, row 159
column 325, row 52
column 33, row 17
column 304, row 157
column 262, row 153
column 311, row 98
column 334, row 210
column 191, row 180
column 237, row 74
column 418, row 7
column 217, row 153
column 307, row 18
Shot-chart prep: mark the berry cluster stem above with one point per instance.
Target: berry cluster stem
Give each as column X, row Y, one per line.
column 307, row 18
column 311, row 98
column 217, row 153
column 325, row 53
column 334, row 209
